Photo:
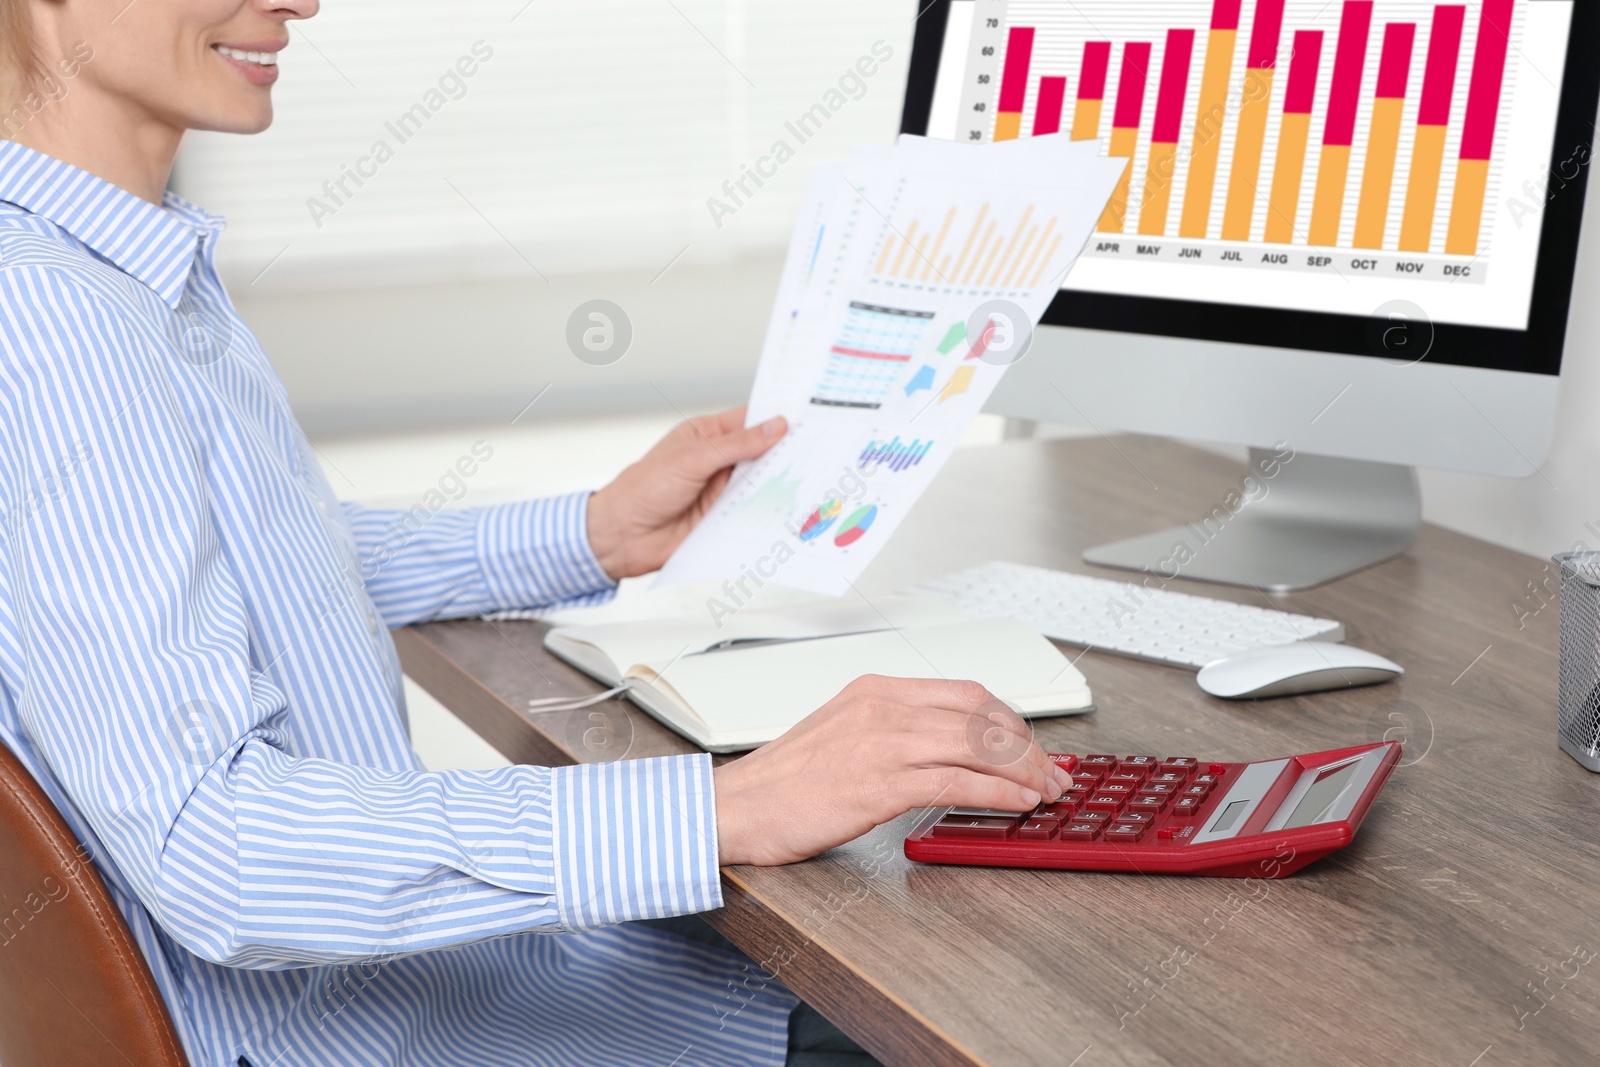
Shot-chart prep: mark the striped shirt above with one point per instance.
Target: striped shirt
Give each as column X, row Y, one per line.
column 195, row 662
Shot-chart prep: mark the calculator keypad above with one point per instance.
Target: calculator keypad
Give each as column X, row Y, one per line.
column 1118, row 800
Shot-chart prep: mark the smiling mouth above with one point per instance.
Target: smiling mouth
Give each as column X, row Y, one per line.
column 261, row 59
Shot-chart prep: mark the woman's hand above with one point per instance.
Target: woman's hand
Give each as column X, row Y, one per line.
column 880, row 748
column 637, row 520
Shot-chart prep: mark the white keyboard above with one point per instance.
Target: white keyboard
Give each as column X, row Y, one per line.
column 1121, row 617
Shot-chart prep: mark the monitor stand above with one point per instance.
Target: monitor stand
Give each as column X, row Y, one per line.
column 1320, row 519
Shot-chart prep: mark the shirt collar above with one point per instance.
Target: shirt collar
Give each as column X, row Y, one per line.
column 155, row 245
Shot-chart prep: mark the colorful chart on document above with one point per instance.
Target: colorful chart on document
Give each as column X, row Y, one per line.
column 1279, row 149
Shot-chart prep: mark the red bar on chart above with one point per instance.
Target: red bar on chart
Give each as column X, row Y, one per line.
column 1165, row 132
column 1091, row 90
column 1211, row 111
column 1383, row 138
column 1125, row 128
column 1255, row 105
column 1344, row 98
column 1433, row 117
column 1047, row 111
column 1477, row 129
column 1014, row 83
column 1283, row 203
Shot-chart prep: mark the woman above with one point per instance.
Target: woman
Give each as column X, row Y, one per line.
column 195, row 659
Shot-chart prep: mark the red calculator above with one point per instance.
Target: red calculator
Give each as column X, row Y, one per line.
column 1178, row 815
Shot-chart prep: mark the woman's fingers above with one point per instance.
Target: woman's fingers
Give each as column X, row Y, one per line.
column 962, row 787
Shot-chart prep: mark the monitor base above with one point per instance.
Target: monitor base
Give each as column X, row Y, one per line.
column 1314, row 519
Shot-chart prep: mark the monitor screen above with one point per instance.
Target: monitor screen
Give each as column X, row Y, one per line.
column 1334, row 166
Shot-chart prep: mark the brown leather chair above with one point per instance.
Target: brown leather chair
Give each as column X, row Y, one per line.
column 75, row 990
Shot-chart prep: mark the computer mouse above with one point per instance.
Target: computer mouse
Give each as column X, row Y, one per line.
column 1298, row 667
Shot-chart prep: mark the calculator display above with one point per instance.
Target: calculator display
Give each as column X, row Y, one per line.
column 1320, row 798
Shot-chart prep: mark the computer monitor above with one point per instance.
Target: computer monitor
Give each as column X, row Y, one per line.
column 1346, row 236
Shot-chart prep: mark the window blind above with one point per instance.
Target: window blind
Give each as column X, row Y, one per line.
column 416, row 141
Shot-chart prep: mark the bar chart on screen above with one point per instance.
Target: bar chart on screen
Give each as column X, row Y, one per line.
column 1341, row 138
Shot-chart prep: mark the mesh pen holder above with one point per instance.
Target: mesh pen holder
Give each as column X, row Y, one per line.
column 1578, row 703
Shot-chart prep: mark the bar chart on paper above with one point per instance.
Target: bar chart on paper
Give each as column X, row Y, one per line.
column 1336, row 137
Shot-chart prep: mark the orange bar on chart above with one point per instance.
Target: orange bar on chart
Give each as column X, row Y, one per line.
column 1383, row 139
column 1014, row 83
column 1477, row 129
column 1433, row 118
column 1210, row 112
column 1125, row 128
column 1091, row 90
column 1165, row 132
column 1344, row 97
column 1283, row 203
column 1255, row 105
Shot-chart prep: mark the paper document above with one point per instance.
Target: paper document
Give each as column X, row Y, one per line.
column 914, row 277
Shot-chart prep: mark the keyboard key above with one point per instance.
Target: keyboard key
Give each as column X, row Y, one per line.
column 1152, row 803
column 968, row 827
column 1103, row 764
column 1109, row 802
column 1165, row 789
column 1175, row 778
column 1207, row 779
column 1124, row 834
column 1126, row 789
column 1197, row 791
column 1039, row 829
column 1186, row 806
column 1180, row 763
column 1076, row 795
column 1096, row 817
column 1060, row 811
column 1142, row 818
column 1139, row 764
column 1080, row 831
column 1065, row 760
column 1132, row 781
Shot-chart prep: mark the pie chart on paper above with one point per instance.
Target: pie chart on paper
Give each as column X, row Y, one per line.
column 859, row 522
column 818, row 521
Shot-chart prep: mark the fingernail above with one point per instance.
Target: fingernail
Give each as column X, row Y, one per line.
column 772, row 427
column 1031, row 797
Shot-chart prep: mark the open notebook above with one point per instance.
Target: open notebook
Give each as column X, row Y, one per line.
column 743, row 683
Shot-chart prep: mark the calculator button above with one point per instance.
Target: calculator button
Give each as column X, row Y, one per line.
column 1141, row 818
column 1148, row 802
column 1179, row 763
column 1065, row 760
column 1125, row 789
column 1197, row 791
column 1165, row 789
column 1098, row 763
column 1097, row 817
column 1206, row 779
column 1174, row 778
column 1076, row 795
column 1132, row 781
column 1039, row 829
column 1080, row 831
column 1186, row 806
column 1216, row 768
column 1124, row 834
column 1061, row 810
column 1139, row 764
column 1111, row 802
column 983, row 813
column 961, row 826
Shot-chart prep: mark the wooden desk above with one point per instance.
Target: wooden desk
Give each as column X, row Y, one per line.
column 1460, row 929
